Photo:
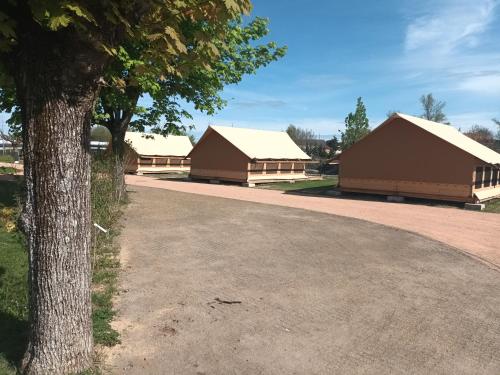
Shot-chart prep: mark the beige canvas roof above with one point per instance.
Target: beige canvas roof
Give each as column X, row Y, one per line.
column 453, row 136
column 262, row 144
column 159, row 145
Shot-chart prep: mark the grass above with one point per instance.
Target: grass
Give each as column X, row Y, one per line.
column 106, row 212
column 305, row 187
column 493, row 206
column 7, row 170
column 6, row 159
column 13, row 282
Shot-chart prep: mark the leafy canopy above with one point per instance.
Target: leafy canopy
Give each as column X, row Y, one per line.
column 148, row 42
column 200, row 81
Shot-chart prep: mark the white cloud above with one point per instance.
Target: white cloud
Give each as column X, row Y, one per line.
column 483, row 84
column 453, row 25
column 448, row 47
column 465, row 121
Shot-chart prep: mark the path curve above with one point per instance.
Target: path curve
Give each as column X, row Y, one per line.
column 311, row 293
column 473, row 232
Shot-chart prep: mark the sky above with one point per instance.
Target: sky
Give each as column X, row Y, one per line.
column 389, row 52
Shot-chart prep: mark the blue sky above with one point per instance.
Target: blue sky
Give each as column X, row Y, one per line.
column 389, row 52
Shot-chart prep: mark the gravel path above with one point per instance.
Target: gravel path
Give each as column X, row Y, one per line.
column 476, row 233
column 313, row 293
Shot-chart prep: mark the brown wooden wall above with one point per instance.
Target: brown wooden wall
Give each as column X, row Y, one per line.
column 403, row 158
column 215, row 157
column 402, row 151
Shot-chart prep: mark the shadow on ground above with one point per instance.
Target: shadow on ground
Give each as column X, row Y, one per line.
column 330, row 192
column 322, row 191
column 13, row 334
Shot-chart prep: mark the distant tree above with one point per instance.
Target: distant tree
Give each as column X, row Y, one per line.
column 497, row 122
column 333, row 143
column 482, row 135
column 433, row 109
column 100, row 134
column 304, row 138
column 308, row 141
column 356, row 126
column 192, row 138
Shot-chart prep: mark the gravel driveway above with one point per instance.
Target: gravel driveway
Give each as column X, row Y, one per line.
column 473, row 232
column 219, row 286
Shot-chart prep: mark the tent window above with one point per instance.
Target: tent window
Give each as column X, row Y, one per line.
column 187, row 162
column 161, row 161
column 487, row 176
column 494, row 182
column 271, row 168
column 175, row 161
column 286, row 167
column 478, row 183
column 299, row 167
column 256, row 168
column 146, row 161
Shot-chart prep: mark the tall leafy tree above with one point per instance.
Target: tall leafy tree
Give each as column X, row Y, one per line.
column 54, row 58
column 433, row 109
column 333, row 143
column 356, row 126
column 194, row 79
column 482, row 135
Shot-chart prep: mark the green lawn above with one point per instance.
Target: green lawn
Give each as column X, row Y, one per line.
column 13, row 285
column 7, row 170
column 310, row 186
column 493, row 206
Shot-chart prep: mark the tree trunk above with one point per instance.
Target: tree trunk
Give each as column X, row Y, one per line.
column 56, row 79
column 118, row 131
column 119, row 120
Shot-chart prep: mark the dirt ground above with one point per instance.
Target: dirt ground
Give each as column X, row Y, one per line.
column 312, row 293
column 473, row 232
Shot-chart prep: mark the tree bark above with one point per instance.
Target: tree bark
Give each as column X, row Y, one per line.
column 57, row 84
column 118, row 130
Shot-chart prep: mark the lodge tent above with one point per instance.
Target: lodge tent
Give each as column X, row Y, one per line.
column 410, row 156
column 247, row 156
column 155, row 153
